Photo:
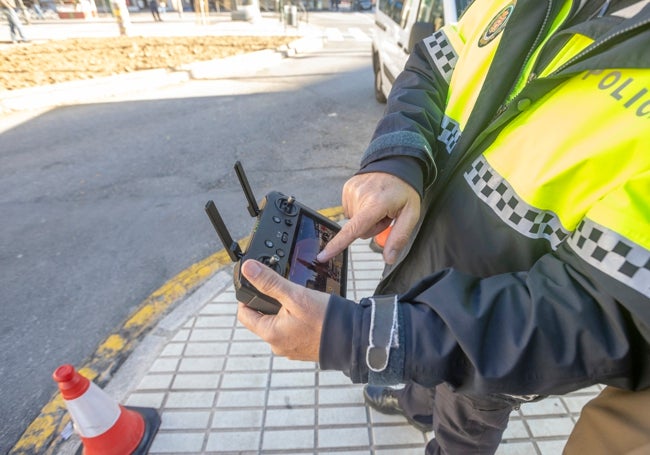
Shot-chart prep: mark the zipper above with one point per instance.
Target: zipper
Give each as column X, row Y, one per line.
column 531, row 51
column 504, row 107
column 533, row 75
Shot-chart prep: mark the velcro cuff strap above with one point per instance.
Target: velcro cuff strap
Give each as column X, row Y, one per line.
column 383, row 331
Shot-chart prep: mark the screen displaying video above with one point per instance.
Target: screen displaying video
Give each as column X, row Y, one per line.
column 311, row 237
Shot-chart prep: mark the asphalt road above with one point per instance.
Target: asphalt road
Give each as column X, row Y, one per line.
column 103, row 203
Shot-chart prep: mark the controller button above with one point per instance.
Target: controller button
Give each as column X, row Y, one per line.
column 285, row 237
column 276, row 218
column 287, row 206
column 280, row 252
column 268, row 243
column 288, row 222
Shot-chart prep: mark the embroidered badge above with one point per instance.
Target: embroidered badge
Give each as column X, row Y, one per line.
column 497, row 25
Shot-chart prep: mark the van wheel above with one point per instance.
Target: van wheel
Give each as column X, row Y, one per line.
column 379, row 94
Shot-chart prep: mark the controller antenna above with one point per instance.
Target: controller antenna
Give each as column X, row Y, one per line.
column 234, row 251
column 253, row 209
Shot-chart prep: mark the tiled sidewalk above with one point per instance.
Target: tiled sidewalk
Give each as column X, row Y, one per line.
column 219, row 389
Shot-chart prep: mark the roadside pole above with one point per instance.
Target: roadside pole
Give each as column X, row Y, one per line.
column 121, row 13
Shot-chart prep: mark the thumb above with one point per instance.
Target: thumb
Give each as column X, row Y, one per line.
column 266, row 281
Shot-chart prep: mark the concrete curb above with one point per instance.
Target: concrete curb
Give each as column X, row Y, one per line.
column 93, row 90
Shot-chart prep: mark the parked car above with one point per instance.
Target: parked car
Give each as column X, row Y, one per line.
column 399, row 24
column 362, row 5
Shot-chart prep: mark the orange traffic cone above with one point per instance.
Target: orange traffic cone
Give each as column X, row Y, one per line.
column 105, row 427
column 377, row 242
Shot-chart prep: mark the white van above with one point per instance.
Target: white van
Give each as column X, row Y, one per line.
column 399, row 25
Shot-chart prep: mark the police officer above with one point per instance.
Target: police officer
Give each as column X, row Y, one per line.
column 512, row 161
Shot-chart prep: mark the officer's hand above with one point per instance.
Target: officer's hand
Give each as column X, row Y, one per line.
column 295, row 331
column 371, row 202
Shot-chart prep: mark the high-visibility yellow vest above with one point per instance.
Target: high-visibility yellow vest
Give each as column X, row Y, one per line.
column 586, row 179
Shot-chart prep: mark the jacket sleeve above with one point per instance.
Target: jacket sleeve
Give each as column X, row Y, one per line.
column 410, row 126
column 545, row 331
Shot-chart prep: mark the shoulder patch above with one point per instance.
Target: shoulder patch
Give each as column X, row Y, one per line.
column 496, row 25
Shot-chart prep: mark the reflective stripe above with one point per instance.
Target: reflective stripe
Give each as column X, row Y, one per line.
column 444, row 57
column 383, row 332
column 442, row 54
column 93, row 413
column 592, row 144
column 450, row 133
column 613, row 254
column 600, row 247
column 497, row 193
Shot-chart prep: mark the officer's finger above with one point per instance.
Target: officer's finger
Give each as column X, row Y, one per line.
column 252, row 320
column 363, row 225
column 400, row 233
column 336, row 244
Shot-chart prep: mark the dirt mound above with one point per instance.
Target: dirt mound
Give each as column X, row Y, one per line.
column 34, row 64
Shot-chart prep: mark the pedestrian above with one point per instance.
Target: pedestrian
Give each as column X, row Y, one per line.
column 512, row 161
column 15, row 25
column 155, row 11
column 38, row 10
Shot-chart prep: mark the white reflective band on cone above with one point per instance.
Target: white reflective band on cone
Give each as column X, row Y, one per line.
column 94, row 412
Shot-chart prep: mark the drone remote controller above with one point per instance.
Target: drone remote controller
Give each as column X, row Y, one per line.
column 287, row 237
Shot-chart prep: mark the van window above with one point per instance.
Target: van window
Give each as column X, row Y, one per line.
column 400, row 24
column 431, row 12
column 406, row 11
column 392, row 9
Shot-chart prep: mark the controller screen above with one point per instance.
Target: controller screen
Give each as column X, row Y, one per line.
column 311, row 237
